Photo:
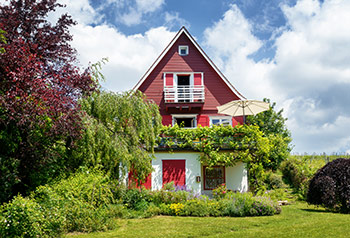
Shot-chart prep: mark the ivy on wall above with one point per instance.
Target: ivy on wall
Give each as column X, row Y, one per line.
column 223, row 146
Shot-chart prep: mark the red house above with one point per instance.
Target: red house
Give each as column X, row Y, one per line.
column 188, row 87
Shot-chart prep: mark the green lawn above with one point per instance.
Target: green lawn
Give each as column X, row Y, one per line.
column 298, row 220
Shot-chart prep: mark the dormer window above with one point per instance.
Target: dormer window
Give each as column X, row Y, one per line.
column 183, row 50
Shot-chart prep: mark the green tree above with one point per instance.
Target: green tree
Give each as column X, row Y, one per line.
column 40, row 85
column 272, row 124
column 121, row 132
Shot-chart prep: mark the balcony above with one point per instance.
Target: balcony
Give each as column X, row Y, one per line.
column 184, row 94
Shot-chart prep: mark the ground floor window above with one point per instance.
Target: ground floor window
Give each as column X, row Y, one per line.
column 213, row 177
column 225, row 121
column 185, row 121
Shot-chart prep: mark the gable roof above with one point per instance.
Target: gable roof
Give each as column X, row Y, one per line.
column 183, row 30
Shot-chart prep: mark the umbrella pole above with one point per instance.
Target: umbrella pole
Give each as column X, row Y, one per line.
column 243, row 115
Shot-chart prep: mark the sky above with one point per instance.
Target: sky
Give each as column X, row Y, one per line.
column 294, row 52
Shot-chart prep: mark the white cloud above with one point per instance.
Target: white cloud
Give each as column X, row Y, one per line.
column 81, row 11
column 137, row 10
column 309, row 75
column 129, row 56
column 149, row 5
column 174, row 20
column 230, row 42
column 133, row 17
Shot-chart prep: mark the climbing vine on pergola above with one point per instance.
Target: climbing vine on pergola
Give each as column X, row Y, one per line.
column 223, row 146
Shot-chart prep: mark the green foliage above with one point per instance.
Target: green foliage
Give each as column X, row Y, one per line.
column 195, row 208
column 234, row 204
column 9, row 176
column 169, row 186
column 245, row 143
column 84, row 200
column 278, row 194
column 296, row 173
column 272, row 124
column 273, row 180
column 245, row 204
column 220, row 191
column 138, row 198
column 121, row 129
column 2, row 40
column 23, row 217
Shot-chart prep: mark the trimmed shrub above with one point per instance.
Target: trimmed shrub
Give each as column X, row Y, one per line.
column 23, row 217
column 330, row 186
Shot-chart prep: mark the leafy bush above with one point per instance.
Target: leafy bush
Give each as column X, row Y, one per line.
column 273, row 181
column 246, row 204
column 9, row 174
column 82, row 199
column 330, row 186
column 297, row 173
column 136, row 199
column 23, row 217
column 196, row 208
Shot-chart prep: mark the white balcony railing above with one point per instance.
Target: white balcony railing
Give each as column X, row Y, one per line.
column 178, row 94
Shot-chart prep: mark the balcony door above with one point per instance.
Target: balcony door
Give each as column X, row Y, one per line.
column 183, row 85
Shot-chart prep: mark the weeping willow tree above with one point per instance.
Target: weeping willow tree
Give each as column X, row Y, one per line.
column 121, row 130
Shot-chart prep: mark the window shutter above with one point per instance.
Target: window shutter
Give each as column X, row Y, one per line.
column 169, row 79
column 197, row 79
column 198, row 94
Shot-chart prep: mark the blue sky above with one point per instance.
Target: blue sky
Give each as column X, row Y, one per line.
column 295, row 52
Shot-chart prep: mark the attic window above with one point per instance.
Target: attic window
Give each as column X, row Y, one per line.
column 183, row 50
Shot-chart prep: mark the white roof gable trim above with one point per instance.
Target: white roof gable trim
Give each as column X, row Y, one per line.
column 165, row 51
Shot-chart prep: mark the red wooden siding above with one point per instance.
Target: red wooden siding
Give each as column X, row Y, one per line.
column 216, row 90
column 203, row 120
column 174, row 170
column 237, row 120
column 167, row 120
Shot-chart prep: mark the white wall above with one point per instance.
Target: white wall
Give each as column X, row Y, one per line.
column 237, row 177
column 193, row 169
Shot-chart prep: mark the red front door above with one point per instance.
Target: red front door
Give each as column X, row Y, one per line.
column 174, row 170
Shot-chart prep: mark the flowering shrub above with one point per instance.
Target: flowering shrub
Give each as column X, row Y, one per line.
column 234, row 204
column 220, row 192
column 176, row 208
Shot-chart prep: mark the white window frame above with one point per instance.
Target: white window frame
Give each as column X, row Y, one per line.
column 185, row 116
column 220, row 118
column 185, row 47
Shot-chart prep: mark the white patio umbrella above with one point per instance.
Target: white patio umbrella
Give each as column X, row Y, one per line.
column 243, row 108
